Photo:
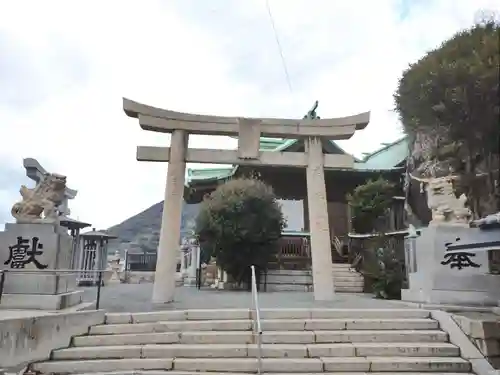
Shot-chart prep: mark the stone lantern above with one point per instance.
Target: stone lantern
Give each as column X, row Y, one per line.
column 74, row 227
column 93, row 256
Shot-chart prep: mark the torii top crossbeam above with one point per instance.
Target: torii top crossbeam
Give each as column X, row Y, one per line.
column 165, row 121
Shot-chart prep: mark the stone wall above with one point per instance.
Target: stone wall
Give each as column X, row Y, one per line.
column 26, row 338
column 142, row 277
column 484, row 332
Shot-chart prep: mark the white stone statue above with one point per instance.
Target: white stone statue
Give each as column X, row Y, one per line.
column 445, row 206
column 115, row 268
column 44, row 198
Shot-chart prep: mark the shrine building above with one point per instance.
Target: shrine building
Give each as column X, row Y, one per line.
column 289, row 184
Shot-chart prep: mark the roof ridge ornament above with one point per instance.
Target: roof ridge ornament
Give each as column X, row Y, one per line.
column 311, row 115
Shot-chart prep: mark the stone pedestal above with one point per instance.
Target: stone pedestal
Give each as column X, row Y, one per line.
column 115, row 269
column 432, row 278
column 39, row 249
column 190, row 279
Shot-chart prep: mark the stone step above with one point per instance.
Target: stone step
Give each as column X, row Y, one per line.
column 342, row 291
column 348, row 279
column 281, row 365
column 341, row 265
column 349, row 290
column 267, row 325
column 271, row 337
column 245, row 314
column 348, row 276
column 160, row 372
column 289, row 287
column 348, row 285
column 102, row 365
column 344, row 269
column 268, row 351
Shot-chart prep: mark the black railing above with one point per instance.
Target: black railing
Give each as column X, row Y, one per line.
column 99, row 283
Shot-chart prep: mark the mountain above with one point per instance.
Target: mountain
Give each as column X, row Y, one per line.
column 142, row 231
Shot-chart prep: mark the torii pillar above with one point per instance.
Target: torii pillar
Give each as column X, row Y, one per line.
column 311, row 129
column 170, row 232
column 319, row 226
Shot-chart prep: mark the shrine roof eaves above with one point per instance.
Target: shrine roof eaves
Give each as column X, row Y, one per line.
column 389, row 156
column 98, row 234
column 382, row 160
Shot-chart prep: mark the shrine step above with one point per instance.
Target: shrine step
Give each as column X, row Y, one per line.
column 169, row 372
column 349, row 289
column 281, row 365
column 267, row 325
column 435, row 349
column 347, row 274
column 347, row 279
column 306, row 341
column 276, row 337
column 246, row 314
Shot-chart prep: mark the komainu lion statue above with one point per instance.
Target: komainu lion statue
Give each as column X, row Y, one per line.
column 445, row 206
column 44, row 198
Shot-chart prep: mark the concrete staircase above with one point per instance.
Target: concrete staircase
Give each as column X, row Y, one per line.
column 347, row 279
column 306, row 341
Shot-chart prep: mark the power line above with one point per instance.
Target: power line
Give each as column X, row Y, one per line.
column 283, row 62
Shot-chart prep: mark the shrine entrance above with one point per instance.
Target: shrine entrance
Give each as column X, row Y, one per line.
column 249, row 131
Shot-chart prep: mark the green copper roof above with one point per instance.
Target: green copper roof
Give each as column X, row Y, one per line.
column 389, row 156
column 270, row 144
column 386, row 158
column 209, row 173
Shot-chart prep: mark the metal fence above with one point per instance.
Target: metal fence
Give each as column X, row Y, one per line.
column 144, row 261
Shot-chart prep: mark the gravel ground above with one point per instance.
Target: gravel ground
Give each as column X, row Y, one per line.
column 137, row 298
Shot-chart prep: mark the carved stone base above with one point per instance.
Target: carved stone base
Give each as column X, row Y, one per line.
column 39, row 283
column 442, row 278
column 451, row 297
column 52, row 302
column 33, row 257
column 31, row 220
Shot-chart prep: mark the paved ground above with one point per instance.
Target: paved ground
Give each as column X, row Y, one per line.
column 137, row 297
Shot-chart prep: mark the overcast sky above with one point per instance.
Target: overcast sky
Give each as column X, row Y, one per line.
column 65, row 66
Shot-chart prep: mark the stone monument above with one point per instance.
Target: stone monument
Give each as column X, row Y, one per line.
column 438, row 277
column 35, row 249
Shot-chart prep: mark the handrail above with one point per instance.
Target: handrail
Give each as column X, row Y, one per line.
column 257, row 325
column 337, row 244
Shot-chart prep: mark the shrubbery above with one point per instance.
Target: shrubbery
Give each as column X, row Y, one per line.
column 240, row 224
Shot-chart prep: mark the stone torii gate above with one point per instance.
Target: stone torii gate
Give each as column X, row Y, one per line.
column 249, row 131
